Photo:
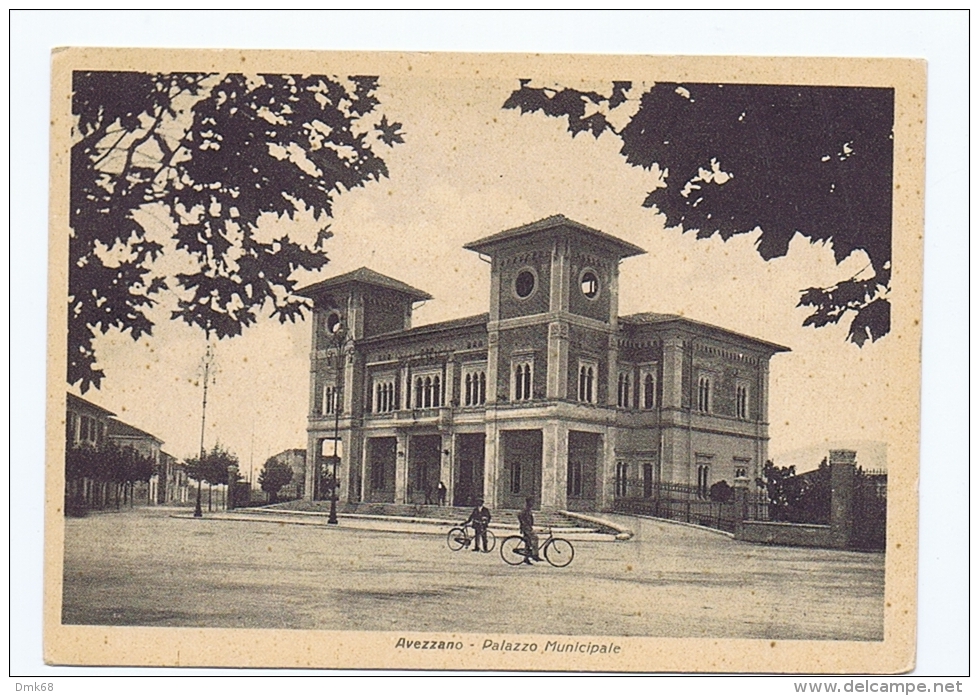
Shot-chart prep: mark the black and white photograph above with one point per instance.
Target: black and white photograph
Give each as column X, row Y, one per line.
column 443, row 361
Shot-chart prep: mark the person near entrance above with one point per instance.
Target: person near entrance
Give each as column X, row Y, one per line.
column 480, row 518
column 526, row 519
column 440, row 493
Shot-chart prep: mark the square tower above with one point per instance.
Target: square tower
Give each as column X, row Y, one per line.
column 553, row 305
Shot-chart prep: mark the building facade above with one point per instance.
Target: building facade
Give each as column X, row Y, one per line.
column 551, row 394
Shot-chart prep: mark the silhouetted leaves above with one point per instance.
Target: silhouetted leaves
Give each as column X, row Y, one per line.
column 213, row 156
column 273, row 477
column 814, row 161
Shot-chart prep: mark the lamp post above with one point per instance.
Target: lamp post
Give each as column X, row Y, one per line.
column 338, row 339
column 208, row 356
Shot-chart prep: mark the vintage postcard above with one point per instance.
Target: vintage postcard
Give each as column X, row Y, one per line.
column 483, row 362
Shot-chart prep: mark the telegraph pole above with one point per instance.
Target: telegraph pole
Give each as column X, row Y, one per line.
column 208, row 357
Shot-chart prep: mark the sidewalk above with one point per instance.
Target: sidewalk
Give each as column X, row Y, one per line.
column 405, row 525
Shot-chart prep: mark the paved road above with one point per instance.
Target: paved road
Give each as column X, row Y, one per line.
column 144, row 567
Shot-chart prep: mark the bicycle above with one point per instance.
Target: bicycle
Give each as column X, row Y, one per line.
column 461, row 538
column 556, row 551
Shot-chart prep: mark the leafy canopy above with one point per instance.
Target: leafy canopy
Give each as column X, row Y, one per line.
column 213, row 466
column 274, row 476
column 814, row 161
column 214, row 157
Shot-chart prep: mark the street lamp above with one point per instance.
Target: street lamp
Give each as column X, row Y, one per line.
column 338, row 341
column 208, row 357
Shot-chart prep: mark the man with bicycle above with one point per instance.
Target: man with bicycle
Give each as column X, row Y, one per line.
column 526, row 519
column 480, row 518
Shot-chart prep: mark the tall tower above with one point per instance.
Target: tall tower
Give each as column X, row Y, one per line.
column 551, row 344
column 366, row 304
column 553, row 303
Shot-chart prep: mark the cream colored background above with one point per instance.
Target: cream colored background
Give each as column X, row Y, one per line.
column 884, row 400
column 481, row 299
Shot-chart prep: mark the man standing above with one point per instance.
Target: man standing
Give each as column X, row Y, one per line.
column 480, row 518
column 526, row 519
column 440, row 492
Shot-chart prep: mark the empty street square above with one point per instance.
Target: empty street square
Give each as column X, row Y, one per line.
column 668, row 580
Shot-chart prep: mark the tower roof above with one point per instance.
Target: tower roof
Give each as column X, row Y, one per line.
column 364, row 276
column 559, row 223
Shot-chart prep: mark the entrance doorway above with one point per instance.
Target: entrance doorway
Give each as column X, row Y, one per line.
column 521, row 471
column 424, row 464
column 470, row 455
column 381, row 461
column 583, row 456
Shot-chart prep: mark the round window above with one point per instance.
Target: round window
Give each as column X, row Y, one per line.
column 525, row 283
column 333, row 322
column 589, row 284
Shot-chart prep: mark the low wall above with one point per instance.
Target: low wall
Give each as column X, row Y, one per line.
column 786, row 534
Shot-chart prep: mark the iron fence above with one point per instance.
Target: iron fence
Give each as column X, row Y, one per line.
column 689, row 504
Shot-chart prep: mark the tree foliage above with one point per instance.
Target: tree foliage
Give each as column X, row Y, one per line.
column 215, row 157
column 814, row 161
column 213, row 467
column 273, row 477
column 108, row 463
column 802, row 498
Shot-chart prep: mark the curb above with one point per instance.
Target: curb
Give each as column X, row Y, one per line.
column 689, row 525
column 621, row 533
column 241, row 513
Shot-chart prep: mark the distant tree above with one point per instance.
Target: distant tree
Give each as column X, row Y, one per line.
column 793, row 497
column 784, row 489
column 213, row 157
column 721, row 492
column 813, row 161
column 212, row 469
column 273, row 477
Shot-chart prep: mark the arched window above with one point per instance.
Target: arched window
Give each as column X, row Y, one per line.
column 419, row 392
column 625, row 380
column 469, row 390
column 436, row 391
column 482, row 388
column 703, row 395
column 586, row 381
column 523, row 381
column 703, row 481
column 621, row 479
column 649, row 392
column 428, row 392
column 742, row 401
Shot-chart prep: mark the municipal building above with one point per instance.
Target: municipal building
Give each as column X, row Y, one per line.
column 550, row 394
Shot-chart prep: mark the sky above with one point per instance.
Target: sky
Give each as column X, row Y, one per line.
column 468, row 169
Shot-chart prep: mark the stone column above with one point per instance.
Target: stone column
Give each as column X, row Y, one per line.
column 554, row 466
column 740, row 505
column 557, row 360
column 605, row 472
column 401, row 468
column 232, row 486
column 672, row 373
column 311, row 486
column 491, row 464
column 842, row 472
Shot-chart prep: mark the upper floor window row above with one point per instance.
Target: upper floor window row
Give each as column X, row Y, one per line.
column 385, row 399
column 474, row 388
column 428, row 391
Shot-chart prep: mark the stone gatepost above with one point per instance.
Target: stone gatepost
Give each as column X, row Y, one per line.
column 842, row 474
column 741, row 484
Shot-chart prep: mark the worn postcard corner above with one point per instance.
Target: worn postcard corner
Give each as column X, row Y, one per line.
column 483, row 362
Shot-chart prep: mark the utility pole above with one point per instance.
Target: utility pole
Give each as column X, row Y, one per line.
column 208, row 357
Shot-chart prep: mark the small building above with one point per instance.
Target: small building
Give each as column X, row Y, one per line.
column 85, row 423
column 550, row 394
